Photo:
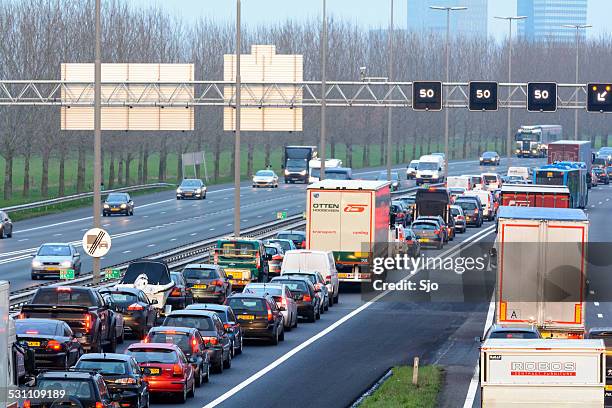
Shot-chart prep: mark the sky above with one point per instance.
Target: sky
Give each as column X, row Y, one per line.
column 367, row 13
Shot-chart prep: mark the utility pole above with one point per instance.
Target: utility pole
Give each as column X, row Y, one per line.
column 390, row 110
column 577, row 27
column 323, row 142
column 97, row 178
column 237, row 134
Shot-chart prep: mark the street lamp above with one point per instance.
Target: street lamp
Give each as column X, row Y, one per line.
column 509, row 130
column 448, row 11
column 97, row 177
column 237, row 134
column 576, row 27
column 390, row 111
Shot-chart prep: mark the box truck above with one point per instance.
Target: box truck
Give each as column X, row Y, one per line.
column 539, row 254
column 350, row 218
column 534, row 195
column 570, row 151
column 542, row 373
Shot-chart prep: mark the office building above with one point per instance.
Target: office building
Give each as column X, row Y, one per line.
column 545, row 19
column 470, row 23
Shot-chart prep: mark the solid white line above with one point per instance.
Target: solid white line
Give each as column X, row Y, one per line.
column 52, row 225
column 596, row 303
column 473, row 239
column 600, row 315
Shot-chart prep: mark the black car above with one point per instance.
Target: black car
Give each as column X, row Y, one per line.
column 500, row 331
column 139, row 314
column 85, row 389
column 259, row 316
column 319, row 284
column 400, row 213
column 429, row 233
column 191, row 343
column 118, row 203
column 304, row 293
column 211, row 328
column 181, row 295
column 471, row 209
column 122, row 376
column 191, row 188
column 285, row 244
column 53, row 341
column 298, row 237
column 602, row 175
column 489, row 158
column 207, row 282
column 412, row 242
column 6, row 225
column 604, row 333
column 232, row 326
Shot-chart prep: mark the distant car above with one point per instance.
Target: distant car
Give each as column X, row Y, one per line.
column 604, row 333
column 410, row 204
column 304, row 293
column 259, row 316
column 265, row 178
column 139, row 314
column 283, row 298
column 81, row 389
column 298, row 237
column 181, row 294
column 191, row 188
column 207, row 282
column 286, row 244
column 602, row 175
column 513, row 180
column 122, row 377
column 428, row 233
column 54, row 343
column 448, row 229
column 52, row 257
column 411, row 169
column 412, row 241
column 456, row 192
column 165, row 368
column 489, row 158
column 492, row 181
column 459, row 217
column 152, row 277
column 398, row 215
column 6, row 225
column 275, row 255
column 500, row 331
column 118, row 203
column 395, row 179
column 471, row 209
column 232, row 326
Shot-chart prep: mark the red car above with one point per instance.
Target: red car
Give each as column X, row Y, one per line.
column 165, row 368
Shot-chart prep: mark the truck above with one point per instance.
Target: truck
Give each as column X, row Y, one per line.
column 296, row 163
column 570, row 151
column 431, row 202
column 536, row 372
column 533, row 141
column 351, row 219
column 539, row 257
column 534, row 195
column 245, row 260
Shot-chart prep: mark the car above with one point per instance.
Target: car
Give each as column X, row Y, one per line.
column 218, row 343
column 476, row 181
column 181, row 295
column 309, row 261
column 259, row 316
column 286, row 244
column 139, row 314
column 283, row 298
column 298, row 237
column 514, row 180
column 500, row 331
column 594, row 180
column 207, row 282
column 604, row 333
column 122, row 376
column 428, row 233
column 395, row 181
column 411, row 169
column 304, row 294
column 487, row 203
column 152, row 277
column 489, row 158
column 602, row 175
column 54, row 343
column 118, row 203
column 609, row 171
column 6, row 225
column 321, row 289
column 447, row 228
column 191, row 343
column 50, row 258
column 165, row 369
column 412, row 243
column 275, row 254
column 456, row 192
column 76, row 389
column 265, row 178
column 492, row 181
column 227, row 316
column 472, row 210
column 191, row 188
column 410, row 204
column 459, row 217
column 400, row 213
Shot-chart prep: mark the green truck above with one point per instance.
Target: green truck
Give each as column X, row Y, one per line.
column 244, row 260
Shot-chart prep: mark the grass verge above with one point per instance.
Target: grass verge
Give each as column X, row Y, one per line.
column 398, row 392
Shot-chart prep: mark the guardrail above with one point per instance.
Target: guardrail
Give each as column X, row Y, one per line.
column 59, row 200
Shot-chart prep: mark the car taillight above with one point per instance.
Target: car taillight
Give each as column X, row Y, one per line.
column 258, row 262
column 476, row 211
column 460, row 217
column 125, row 381
column 227, row 326
column 216, row 282
column 194, row 345
column 54, row 345
column 211, row 340
column 99, row 404
column 216, row 258
column 269, row 314
column 277, row 258
column 409, row 241
column 177, row 370
column 303, row 244
column 134, row 307
column 307, row 298
column 21, row 315
column 28, row 404
column 437, row 231
column 176, row 292
column 87, row 322
column 145, row 340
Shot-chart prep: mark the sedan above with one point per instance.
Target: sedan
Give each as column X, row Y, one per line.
column 232, row 326
column 259, row 317
column 118, row 203
column 283, row 298
column 53, row 342
column 207, row 282
column 6, row 225
column 459, row 217
column 428, row 232
column 489, row 158
column 52, row 257
column 500, row 331
column 181, row 295
column 412, row 242
column 139, row 314
column 304, row 294
column 265, row 178
column 602, row 175
column 191, row 188
column 395, row 179
column 321, row 289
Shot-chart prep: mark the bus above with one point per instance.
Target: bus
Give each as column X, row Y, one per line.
column 532, row 141
column 573, row 175
column 297, row 160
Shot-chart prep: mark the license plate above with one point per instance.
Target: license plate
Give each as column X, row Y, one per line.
column 199, row 286
column 34, row 343
column 246, row 317
column 53, row 269
column 424, row 240
column 153, row 371
column 114, row 209
column 188, row 194
column 345, row 275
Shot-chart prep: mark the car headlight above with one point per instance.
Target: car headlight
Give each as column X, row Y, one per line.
column 66, row 264
column 179, row 191
column 123, row 205
column 303, row 172
column 198, row 190
column 518, row 150
column 36, row 263
column 106, row 206
column 286, row 172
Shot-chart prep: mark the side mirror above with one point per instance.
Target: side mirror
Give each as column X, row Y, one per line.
column 6, row 219
column 78, row 335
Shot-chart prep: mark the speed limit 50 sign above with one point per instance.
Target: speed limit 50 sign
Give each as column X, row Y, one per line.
column 483, row 96
column 427, row 96
column 542, row 96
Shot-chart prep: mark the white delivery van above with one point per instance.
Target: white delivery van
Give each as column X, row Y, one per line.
column 542, row 373
column 412, row 169
column 315, row 168
column 519, row 171
column 431, row 169
column 486, row 199
column 306, row 261
column 476, row 180
column 460, row 182
column 492, row 181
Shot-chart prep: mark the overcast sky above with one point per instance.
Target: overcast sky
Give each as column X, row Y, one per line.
column 368, row 13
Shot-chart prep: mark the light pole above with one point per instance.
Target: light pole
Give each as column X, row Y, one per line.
column 390, row 111
column 323, row 90
column 448, row 11
column 237, row 135
column 577, row 27
column 509, row 129
column 97, row 178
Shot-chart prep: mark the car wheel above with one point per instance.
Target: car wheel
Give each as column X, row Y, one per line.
column 312, row 317
column 227, row 364
column 239, row 350
column 289, row 327
column 281, row 337
column 219, row 366
column 440, row 245
column 112, row 346
column 121, row 338
column 10, row 234
column 318, row 314
column 337, row 297
column 274, row 339
column 97, row 347
column 207, row 377
column 182, row 397
column 200, row 378
column 34, row 277
column 326, row 308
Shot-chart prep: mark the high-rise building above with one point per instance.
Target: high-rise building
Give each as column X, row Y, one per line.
column 470, row 23
column 545, row 19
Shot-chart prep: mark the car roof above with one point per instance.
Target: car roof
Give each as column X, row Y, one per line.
column 56, row 243
column 191, row 312
column 208, row 306
column 187, row 330
column 38, row 320
column 202, row 266
column 134, row 291
column 106, row 356
column 159, row 346
column 244, row 295
column 58, row 375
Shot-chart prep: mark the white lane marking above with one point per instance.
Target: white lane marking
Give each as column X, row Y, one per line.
column 145, row 216
column 106, row 225
column 193, row 234
column 126, row 251
column 599, row 203
column 150, row 245
column 163, row 212
column 22, row 239
column 592, row 292
column 592, row 205
column 228, row 225
column 53, row 225
column 172, row 239
column 600, row 315
column 57, row 235
column 84, row 229
column 211, row 229
column 259, row 216
column 472, row 240
column 596, row 303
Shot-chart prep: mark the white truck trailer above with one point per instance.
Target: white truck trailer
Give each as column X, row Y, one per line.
column 542, row 373
column 350, row 218
column 541, row 269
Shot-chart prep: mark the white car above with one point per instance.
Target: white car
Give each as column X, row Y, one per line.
column 283, row 298
column 411, row 170
column 153, row 278
column 265, row 178
column 306, row 261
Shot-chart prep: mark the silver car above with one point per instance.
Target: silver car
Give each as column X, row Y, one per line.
column 265, row 178
column 283, row 298
column 51, row 258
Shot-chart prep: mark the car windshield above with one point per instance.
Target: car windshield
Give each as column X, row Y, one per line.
column 54, row 250
column 298, row 164
column 200, row 273
column 80, row 389
column 336, row 175
column 312, row 278
column 239, row 305
column 428, row 166
column 513, row 335
column 202, row 323
column 293, row 237
column 233, row 249
column 262, row 290
column 424, row 226
column 104, row 366
column 294, row 285
column 264, row 173
column 156, row 273
column 62, row 296
column 489, row 154
column 153, row 355
column 173, row 337
column 176, row 279
column 25, row 326
column 122, row 298
column 117, row 198
column 466, row 205
column 270, row 250
column 490, row 179
column 413, row 165
column 285, row 244
column 455, row 211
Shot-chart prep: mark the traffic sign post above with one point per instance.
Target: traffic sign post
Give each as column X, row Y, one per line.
column 96, row 242
column 281, row 215
column 427, row 96
column 112, row 274
column 542, row 96
column 599, row 97
column 483, row 96
column 67, row 274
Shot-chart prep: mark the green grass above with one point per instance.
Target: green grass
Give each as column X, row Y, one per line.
column 398, row 392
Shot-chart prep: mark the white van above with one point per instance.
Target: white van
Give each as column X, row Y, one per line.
column 460, row 182
column 476, row 180
column 486, row 198
column 492, row 181
column 315, row 168
column 519, row 171
column 304, row 261
column 431, row 169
